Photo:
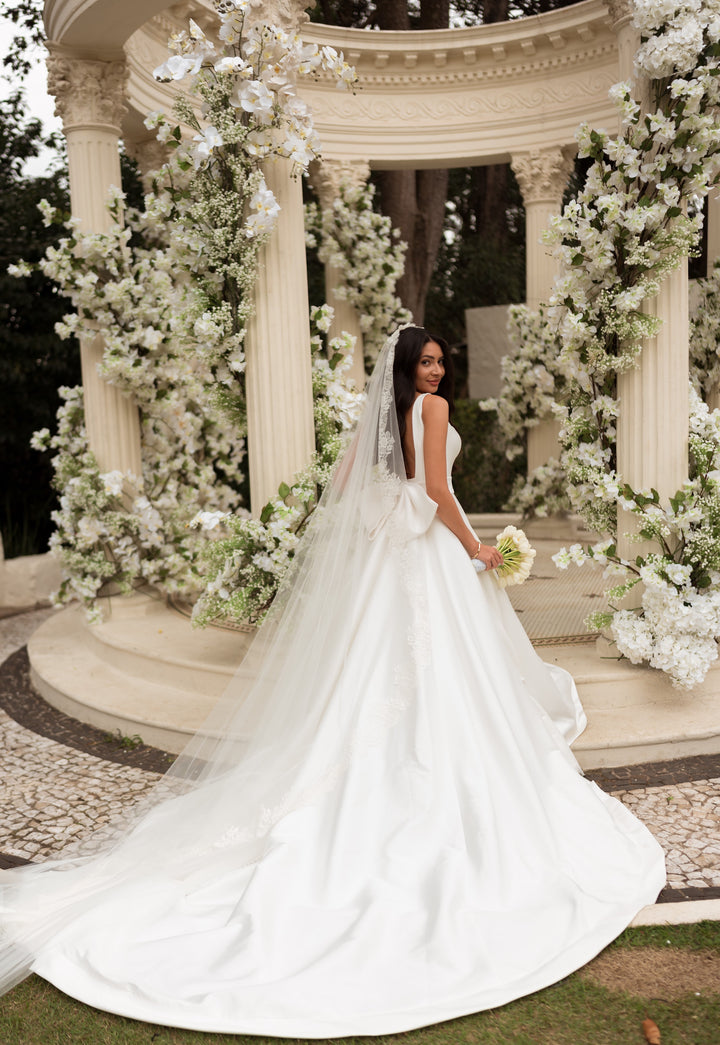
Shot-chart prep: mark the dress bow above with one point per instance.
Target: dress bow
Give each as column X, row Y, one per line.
column 407, row 511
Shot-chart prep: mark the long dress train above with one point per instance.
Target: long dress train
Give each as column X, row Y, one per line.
column 460, row 861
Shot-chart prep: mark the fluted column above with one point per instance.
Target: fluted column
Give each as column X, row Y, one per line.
column 542, row 176
column 327, row 178
column 652, row 431
column 281, row 435
column 89, row 97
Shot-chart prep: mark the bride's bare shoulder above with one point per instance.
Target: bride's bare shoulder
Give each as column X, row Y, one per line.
column 435, row 408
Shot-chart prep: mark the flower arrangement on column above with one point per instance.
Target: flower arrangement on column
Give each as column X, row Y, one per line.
column 362, row 245
column 248, row 558
column 636, row 218
column 532, row 383
column 170, row 289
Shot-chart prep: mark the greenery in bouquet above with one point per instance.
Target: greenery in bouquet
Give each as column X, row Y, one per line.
column 518, row 557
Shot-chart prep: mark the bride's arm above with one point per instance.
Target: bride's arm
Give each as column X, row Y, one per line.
column 435, row 423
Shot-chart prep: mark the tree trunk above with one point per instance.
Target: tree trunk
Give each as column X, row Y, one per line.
column 415, row 200
column 393, row 14
column 415, row 203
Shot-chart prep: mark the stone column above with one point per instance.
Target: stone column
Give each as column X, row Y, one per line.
column 542, row 176
column 652, row 431
column 327, row 177
column 89, row 97
column 281, row 431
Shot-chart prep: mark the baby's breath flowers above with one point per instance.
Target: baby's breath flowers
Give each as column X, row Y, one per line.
column 518, row 557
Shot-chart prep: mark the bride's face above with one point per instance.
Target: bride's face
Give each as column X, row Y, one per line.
column 430, row 369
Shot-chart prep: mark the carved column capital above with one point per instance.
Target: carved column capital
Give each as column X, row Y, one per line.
column 87, row 92
column 326, row 177
column 543, row 174
column 620, row 12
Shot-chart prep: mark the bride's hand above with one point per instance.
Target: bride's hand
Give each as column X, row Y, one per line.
column 488, row 555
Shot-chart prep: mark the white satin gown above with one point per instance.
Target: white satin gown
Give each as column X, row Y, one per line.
column 462, row 862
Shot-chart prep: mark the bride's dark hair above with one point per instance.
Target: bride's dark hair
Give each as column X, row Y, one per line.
column 408, row 350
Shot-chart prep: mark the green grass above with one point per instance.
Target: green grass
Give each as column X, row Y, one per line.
column 573, row 1012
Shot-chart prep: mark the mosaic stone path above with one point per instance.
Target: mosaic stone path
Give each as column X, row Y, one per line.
column 61, row 780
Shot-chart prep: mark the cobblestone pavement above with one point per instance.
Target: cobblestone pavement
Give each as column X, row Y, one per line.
column 60, row 780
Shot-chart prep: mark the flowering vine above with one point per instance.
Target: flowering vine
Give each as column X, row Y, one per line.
column 532, row 382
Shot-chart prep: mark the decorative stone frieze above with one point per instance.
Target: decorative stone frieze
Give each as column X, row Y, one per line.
column 87, row 93
column 543, row 174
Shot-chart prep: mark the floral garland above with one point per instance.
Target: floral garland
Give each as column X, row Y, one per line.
column 630, row 226
column 214, row 191
column 249, row 557
column 363, row 246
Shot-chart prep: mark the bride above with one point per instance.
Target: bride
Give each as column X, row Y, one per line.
column 381, row 826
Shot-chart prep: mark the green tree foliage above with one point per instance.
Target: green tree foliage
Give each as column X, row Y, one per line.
column 26, row 15
column 33, row 360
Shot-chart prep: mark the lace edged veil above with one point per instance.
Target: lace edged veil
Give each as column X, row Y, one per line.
column 288, row 726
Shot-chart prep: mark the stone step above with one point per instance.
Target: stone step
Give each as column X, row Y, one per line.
column 146, row 671
column 142, row 637
column 101, row 683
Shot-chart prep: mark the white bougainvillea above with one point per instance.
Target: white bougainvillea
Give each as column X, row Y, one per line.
column 531, row 377
column 127, row 284
column 677, row 625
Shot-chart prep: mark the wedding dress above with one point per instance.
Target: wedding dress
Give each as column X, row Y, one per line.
column 393, row 834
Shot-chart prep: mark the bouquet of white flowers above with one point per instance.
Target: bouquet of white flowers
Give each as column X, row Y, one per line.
column 518, row 557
